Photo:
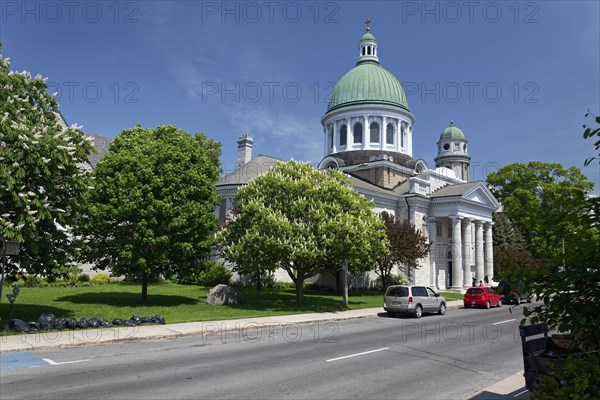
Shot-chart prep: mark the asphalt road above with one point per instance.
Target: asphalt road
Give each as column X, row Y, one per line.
column 436, row 357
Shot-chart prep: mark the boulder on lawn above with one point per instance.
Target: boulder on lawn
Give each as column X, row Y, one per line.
column 223, row 294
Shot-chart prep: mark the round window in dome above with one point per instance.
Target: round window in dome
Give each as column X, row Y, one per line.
column 447, row 146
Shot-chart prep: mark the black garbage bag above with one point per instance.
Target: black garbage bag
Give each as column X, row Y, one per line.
column 158, row 319
column 105, row 323
column 130, row 322
column 117, row 321
column 83, row 323
column 34, row 326
column 47, row 321
column 146, row 320
column 72, row 323
column 18, row 325
column 94, row 322
column 60, row 324
column 136, row 319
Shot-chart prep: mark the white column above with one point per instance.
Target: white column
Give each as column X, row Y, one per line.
column 325, row 149
column 336, row 136
column 467, row 243
column 350, row 134
column 479, row 274
column 489, row 251
column 432, row 252
column 457, row 276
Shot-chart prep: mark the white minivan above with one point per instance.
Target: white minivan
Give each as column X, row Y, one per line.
column 415, row 300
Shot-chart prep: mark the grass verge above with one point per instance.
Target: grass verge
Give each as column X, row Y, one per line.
column 177, row 303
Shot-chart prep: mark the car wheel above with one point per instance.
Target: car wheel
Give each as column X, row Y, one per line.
column 488, row 305
column 499, row 303
column 442, row 309
column 467, row 306
column 418, row 312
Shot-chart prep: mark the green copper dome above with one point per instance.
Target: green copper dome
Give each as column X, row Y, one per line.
column 367, row 37
column 452, row 132
column 370, row 83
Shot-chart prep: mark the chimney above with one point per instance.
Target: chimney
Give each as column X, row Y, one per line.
column 244, row 150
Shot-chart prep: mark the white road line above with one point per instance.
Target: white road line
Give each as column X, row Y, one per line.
column 518, row 394
column 358, row 354
column 503, row 322
column 49, row 361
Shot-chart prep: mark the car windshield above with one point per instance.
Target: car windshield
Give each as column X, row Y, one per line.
column 397, row 292
column 474, row 291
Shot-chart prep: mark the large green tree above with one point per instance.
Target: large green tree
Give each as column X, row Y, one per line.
column 538, row 198
column 151, row 210
column 43, row 173
column 407, row 247
column 304, row 221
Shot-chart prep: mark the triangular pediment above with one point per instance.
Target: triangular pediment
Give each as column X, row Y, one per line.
column 481, row 194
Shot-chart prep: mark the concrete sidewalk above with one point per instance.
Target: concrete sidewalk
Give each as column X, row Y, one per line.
column 508, row 388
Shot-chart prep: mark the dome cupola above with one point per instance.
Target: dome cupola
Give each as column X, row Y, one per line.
column 367, row 117
column 452, row 152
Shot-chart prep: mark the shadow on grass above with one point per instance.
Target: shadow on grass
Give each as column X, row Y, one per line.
column 30, row 312
column 126, row 299
column 285, row 300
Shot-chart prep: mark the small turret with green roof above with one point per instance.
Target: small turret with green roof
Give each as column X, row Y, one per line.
column 452, row 132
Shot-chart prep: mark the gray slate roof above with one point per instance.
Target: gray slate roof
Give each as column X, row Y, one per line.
column 256, row 167
column 101, row 144
column 455, row 190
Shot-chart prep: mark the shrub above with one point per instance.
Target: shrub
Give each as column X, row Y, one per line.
column 84, row 278
column 100, row 279
column 284, row 285
column 579, row 379
column 393, row 279
column 215, row 274
column 32, row 280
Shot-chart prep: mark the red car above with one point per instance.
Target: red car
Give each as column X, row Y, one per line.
column 482, row 296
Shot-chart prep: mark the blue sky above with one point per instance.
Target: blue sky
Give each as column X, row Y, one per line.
column 516, row 77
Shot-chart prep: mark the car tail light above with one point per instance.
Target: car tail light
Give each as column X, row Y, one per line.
column 410, row 299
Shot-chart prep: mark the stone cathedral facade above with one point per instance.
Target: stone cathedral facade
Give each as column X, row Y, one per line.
column 368, row 133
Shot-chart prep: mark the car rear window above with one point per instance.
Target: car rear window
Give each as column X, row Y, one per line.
column 397, row 291
column 474, row 291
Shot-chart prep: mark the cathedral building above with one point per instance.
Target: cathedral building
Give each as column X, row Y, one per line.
column 368, row 134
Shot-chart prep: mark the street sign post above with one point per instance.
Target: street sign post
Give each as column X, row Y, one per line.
column 8, row 247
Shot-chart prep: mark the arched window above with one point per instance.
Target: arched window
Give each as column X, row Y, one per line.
column 374, row 132
column 402, row 136
column 369, row 50
column 343, row 135
column 364, row 50
column 389, row 135
column 358, row 134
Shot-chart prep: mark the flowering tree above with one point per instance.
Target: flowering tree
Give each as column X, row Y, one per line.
column 304, row 221
column 43, row 173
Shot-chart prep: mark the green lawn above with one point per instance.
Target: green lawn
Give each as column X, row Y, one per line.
column 177, row 303
column 452, row 295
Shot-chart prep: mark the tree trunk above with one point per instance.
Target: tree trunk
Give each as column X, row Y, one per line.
column 300, row 290
column 338, row 282
column 345, row 285
column 144, row 288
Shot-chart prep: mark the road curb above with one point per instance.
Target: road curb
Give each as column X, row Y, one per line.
column 45, row 340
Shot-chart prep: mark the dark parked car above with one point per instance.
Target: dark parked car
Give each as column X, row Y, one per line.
column 481, row 296
column 509, row 295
